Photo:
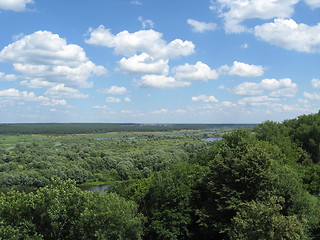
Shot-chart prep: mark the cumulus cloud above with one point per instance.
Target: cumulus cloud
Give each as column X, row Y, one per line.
column 198, row 72
column 14, row 94
column 277, row 88
column 313, row 3
column 37, row 83
column 248, row 88
column 148, row 41
column 242, row 70
column 45, row 56
column 127, row 99
column 161, row 111
column 7, row 77
column 45, row 48
column 146, row 23
column 278, row 107
column 144, row 64
column 312, row 96
column 15, row 5
column 101, row 107
column 257, row 101
column 245, row 46
column 113, row 90
column 198, row 26
column 228, row 104
column 113, row 100
column 315, row 83
column 61, row 91
column 234, row 13
column 136, row 2
column 288, row 34
column 54, row 102
column 160, row 81
column 282, row 32
column 204, row 98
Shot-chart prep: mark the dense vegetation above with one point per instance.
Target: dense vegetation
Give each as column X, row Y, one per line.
column 81, row 128
column 87, row 158
column 262, row 183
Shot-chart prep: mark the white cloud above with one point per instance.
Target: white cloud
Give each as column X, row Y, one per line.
column 242, row 70
column 315, row 83
column 101, row 107
column 161, row 111
column 285, row 92
column 245, row 45
column 181, row 111
column 148, row 41
column 43, row 48
column 278, row 107
column 313, row 3
column 288, row 34
column 14, row 94
column 37, row 83
column 7, row 77
column 272, row 84
column 54, row 102
column 46, row 56
column 144, row 64
column 256, row 101
column 228, row 104
column 204, row 98
column 160, row 81
column 146, row 23
column 133, row 113
column 198, row 26
column 234, row 13
column 60, row 91
column 197, row 72
column 312, row 96
column 136, row 2
column 248, row 88
column 113, row 90
column 15, row 5
column 285, row 87
column 127, row 99
column 282, row 32
column 113, row 100
column 278, row 88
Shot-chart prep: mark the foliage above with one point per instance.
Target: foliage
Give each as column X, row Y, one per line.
column 245, row 173
column 260, row 184
column 264, row 221
column 62, row 211
column 86, row 159
column 81, row 128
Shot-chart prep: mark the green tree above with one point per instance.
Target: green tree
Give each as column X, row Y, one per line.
column 167, row 199
column 264, row 221
column 63, row 211
column 245, row 170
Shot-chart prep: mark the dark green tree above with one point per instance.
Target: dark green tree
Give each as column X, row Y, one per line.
column 63, row 211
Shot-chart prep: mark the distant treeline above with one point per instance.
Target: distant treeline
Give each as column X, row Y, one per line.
column 82, row 128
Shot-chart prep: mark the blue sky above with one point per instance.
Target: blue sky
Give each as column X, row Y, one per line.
column 155, row 61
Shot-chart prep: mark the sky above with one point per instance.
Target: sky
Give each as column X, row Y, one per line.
column 159, row 61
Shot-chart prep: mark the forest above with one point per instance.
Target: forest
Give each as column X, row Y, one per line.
column 251, row 182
